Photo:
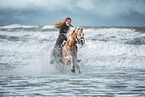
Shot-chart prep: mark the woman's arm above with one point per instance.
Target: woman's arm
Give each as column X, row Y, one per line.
column 63, row 29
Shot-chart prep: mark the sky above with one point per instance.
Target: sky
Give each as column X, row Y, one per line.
column 82, row 12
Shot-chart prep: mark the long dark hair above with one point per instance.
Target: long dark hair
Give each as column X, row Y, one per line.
column 58, row 24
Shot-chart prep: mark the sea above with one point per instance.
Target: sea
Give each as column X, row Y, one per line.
column 112, row 63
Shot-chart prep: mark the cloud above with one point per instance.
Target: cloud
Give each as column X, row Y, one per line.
column 85, row 4
column 49, row 5
column 106, row 8
column 113, row 7
column 83, row 12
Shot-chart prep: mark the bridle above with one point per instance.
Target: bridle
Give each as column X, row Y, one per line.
column 79, row 41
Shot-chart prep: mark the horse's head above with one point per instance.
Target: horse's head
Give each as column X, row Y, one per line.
column 80, row 36
column 77, row 35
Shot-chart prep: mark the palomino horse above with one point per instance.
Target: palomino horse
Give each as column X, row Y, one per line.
column 69, row 51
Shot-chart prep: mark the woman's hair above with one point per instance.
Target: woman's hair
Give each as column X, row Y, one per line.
column 58, row 24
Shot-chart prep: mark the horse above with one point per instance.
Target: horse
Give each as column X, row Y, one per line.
column 69, row 49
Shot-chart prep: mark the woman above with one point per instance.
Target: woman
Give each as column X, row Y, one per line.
column 63, row 29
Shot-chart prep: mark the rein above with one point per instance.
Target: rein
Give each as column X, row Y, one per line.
column 73, row 44
column 76, row 36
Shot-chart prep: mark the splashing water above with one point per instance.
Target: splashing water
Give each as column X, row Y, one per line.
column 112, row 63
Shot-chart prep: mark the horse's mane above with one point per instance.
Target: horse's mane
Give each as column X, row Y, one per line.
column 70, row 31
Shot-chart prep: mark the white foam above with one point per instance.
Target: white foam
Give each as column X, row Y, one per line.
column 34, row 53
column 38, row 66
column 113, row 54
column 19, row 26
column 48, row 27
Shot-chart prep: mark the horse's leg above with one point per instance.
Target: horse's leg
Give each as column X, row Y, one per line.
column 74, row 60
column 73, row 65
column 78, row 67
column 64, row 54
column 74, row 57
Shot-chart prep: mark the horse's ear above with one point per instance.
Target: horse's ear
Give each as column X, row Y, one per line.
column 81, row 29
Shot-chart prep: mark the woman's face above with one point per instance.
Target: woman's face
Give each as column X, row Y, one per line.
column 68, row 22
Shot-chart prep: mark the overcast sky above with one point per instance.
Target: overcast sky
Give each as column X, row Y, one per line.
column 82, row 12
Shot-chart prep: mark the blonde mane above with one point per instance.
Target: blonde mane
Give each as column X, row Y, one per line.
column 70, row 32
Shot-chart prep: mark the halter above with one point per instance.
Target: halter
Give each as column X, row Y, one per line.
column 77, row 40
column 82, row 38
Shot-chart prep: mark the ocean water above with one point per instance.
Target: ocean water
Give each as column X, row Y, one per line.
column 112, row 63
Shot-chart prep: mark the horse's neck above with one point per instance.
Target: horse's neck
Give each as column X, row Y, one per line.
column 72, row 40
column 74, row 36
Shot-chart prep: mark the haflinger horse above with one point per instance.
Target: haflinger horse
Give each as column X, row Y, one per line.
column 69, row 49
